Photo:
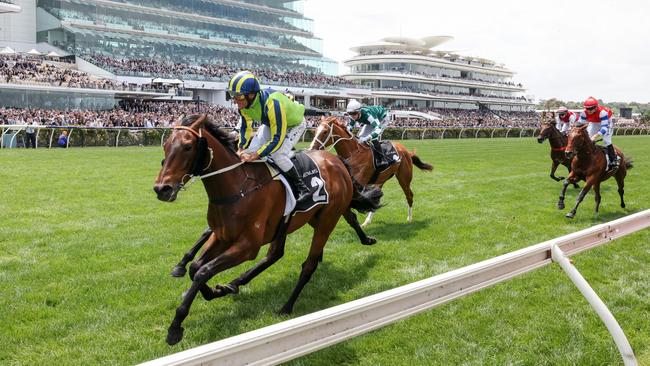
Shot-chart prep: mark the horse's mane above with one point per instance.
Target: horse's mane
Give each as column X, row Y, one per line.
column 225, row 138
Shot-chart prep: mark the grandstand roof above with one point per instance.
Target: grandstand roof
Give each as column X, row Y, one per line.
column 400, row 43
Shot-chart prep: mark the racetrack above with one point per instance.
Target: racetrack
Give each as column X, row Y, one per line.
column 86, row 250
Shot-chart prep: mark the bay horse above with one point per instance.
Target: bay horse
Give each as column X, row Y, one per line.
column 246, row 208
column 359, row 156
column 558, row 142
column 590, row 164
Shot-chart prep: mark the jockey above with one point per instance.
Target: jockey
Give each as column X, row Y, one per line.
column 599, row 119
column 374, row 119
column 282, row 124
column 565, row 119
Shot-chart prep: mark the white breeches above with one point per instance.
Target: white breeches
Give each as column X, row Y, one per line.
column 368, row 129
column 593, row 128
column 281, row 156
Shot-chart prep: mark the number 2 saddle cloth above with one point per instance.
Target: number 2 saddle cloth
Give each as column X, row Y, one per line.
column 311, row 176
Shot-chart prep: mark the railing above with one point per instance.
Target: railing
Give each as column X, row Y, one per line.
column 300, row 336
column 79, row 136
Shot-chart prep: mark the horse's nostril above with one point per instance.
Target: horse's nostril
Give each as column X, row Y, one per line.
column 162, row 188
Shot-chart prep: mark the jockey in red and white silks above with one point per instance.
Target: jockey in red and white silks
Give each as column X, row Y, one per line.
column 600, row 125
column 565, row 119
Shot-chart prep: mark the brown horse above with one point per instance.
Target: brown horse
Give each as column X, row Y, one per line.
column 246, row 210
column 558, row 143
column 359, row 156
column 589, row 164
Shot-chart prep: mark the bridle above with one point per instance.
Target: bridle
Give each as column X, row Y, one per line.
column 202, row 150
column 330, row 135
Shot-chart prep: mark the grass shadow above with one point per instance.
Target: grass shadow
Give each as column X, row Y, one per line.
column 324, row 290
column 396, row 230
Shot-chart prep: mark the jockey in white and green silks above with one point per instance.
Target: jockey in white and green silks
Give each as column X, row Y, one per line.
column 374, row 120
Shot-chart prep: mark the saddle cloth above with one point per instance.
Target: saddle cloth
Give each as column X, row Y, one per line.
column 386, row 157
column 382, row 160
column 311, row 176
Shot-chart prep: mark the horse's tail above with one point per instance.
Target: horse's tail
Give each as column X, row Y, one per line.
column 364, row 199
column 628, row 164
column 419, row 163
column 367, row 199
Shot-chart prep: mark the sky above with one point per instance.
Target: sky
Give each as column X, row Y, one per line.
column 559, row 49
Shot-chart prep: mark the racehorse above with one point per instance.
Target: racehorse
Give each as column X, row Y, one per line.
column 359, row 156
column 589, row 164
column 246, row 209
column 558, row 146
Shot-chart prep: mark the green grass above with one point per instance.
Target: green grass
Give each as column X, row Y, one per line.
column 86, row 250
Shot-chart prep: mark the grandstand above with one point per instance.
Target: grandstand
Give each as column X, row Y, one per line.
column 414, row 74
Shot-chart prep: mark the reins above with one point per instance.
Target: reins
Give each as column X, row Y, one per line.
column 229, row 199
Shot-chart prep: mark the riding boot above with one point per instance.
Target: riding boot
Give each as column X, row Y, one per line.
column 377, row 145
column 301, row 191
column 613, row 159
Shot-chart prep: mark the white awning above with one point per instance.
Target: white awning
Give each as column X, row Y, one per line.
column 7, row 51
column 34, row 52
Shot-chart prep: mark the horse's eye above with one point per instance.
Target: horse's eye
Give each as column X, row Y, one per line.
column 187, row 147
column 162, row 162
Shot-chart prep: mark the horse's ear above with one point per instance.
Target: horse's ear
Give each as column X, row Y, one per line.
column 583, row 127
column 199, row 122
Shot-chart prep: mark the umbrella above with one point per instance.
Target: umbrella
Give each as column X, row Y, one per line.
column 34, row 52
column 53, row 54
column 7, row 51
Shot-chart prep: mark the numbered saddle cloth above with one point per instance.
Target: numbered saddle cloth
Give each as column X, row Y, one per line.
column 383, row 159
column 311, row 176
column 386, row 157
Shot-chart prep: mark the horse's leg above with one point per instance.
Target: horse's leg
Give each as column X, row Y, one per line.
column 351, row 218
column 179, row 270
column 620, row 181
column 275, row 252
column 322, row 232
column 597, row 196
column 560, row 202
column 575, row 183
column 579, row 199
column 553, row 169
column 368, row 219
column 404, row 177
column 228, row 259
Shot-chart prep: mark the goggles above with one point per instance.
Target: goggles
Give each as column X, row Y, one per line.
column 562, row 114
column 236, row 96
column 591, row 108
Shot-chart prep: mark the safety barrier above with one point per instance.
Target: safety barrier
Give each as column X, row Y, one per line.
column 135, row 136
column 297, row 337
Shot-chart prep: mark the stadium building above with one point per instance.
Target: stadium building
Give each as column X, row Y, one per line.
column 271, row 35
column 413, row 73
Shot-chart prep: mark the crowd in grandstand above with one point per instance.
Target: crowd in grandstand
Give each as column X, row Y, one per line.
column 459, row 118
column 212, row 71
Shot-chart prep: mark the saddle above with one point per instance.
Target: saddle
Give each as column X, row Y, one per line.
column 383, row 158
column 310, row 174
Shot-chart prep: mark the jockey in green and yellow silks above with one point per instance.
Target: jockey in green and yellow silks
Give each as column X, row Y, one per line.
column 282, row 122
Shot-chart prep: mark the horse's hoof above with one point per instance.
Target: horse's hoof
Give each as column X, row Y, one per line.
column 560, row 205
column 622, row 205
column 174, row 335
column 576, row 186
column 370, row 241
column 221, row 290
column 178, row 271
column 570, row 215
column 286, row 310
column 559, row 179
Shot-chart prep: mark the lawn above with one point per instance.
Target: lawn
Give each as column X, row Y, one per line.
column 86, row 250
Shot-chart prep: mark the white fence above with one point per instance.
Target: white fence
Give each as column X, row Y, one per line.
column 128, row 136
column 297, row 337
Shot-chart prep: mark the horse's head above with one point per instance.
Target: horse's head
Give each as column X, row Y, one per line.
column 186, row 155
column 328, row 132
column 546, row 130
column 578, row 139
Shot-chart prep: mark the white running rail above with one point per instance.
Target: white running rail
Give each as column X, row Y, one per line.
column 299, row 336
